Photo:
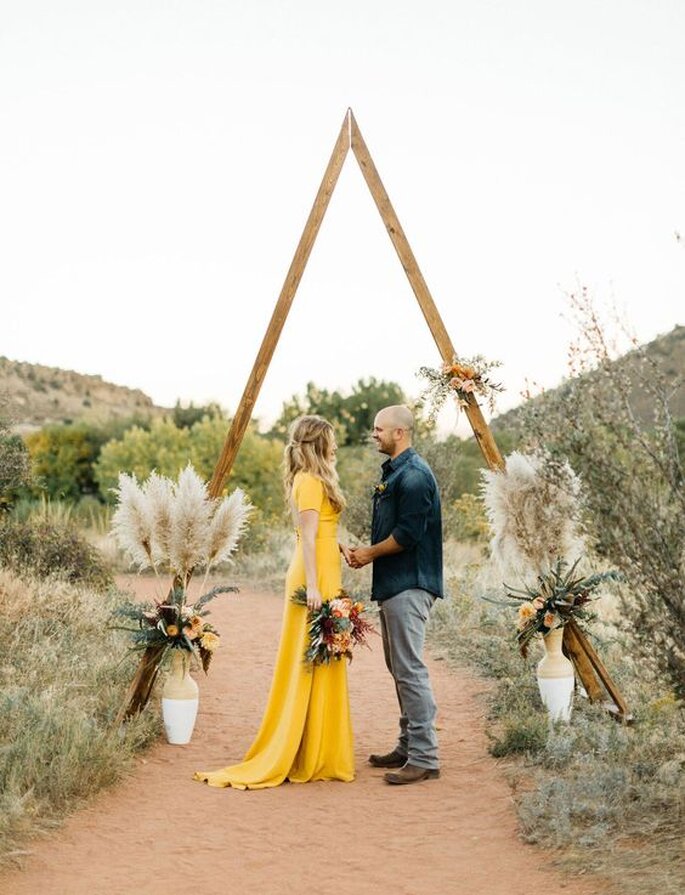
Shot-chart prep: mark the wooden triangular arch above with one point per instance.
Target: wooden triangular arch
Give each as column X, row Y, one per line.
column 575, row 643
column 349, row 138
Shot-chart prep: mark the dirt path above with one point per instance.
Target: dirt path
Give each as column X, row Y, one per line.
column 160, row 833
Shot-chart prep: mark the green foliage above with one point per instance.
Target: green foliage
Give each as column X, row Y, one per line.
column 168, row 449
column 62, row 681
column 351, row 414
column 46, row 549
column 467, row 520
column 186, row 417
column 359, row 470
column 63, row 456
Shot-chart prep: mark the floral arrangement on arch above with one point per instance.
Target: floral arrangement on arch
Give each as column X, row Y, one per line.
column 459, row 379
column 174, row 528
column 334, row 629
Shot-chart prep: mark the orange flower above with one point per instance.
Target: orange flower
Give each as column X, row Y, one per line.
column 190, row 632
column 549, row 619
column 526, row 612
column 172, row 631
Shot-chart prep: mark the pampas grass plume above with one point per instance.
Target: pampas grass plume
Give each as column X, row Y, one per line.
column 534, row 520
column 190, row 523
column 159, row 492
column 132, row 521
column 228, row 523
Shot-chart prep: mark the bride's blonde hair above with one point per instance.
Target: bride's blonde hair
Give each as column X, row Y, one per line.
column 309, row 449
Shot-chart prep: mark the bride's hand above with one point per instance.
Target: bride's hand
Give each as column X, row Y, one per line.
column 313, row 598
column 346, row 553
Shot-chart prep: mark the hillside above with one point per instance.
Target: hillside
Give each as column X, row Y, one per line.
column 667, row 350
column 40, row 395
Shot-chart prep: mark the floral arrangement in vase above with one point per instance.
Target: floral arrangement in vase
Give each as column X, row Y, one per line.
column 558, row 596
column 459, row 379
column 174, row 528
column 335, row 629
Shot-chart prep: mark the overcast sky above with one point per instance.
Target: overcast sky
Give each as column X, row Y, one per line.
column 158, row 161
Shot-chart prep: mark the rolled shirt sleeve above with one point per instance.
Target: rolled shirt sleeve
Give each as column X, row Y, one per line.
column 414, row 506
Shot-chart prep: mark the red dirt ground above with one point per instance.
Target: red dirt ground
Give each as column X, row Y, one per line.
column 161, row 833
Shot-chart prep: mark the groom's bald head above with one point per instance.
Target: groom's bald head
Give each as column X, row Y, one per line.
column 397, row 416
column 392, row 429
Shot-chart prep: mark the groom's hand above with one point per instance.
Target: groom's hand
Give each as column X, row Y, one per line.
column 360, row 556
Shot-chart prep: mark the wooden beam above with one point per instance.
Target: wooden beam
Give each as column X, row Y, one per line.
column 399, row 240
column 243, row 414
column 590, row 668
column 573, row 647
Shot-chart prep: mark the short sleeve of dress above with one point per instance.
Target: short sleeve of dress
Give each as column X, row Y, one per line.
column 308, row 492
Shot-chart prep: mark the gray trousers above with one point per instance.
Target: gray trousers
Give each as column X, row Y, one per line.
column 403, row 625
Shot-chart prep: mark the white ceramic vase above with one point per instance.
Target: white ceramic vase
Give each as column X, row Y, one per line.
column 179, row 699
column 556, row 678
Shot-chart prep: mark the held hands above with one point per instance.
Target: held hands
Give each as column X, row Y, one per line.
column 359, row 557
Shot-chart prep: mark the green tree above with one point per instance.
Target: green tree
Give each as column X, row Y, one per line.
column 63, row 458
column 168, row 449
column 186, row 417
column 352, row 414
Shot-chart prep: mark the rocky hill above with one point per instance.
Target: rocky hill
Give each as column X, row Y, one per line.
column 38, row 396
column 667, row 350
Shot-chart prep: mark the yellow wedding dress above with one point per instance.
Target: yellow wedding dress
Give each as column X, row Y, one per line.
column 306, row 731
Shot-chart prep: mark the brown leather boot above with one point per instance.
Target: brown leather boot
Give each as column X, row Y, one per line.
column 411, row 774
column 393, row 759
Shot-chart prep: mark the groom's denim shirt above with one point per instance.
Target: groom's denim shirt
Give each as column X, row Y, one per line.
column 406, row 505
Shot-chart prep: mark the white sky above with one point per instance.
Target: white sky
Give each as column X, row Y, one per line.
column 158, row 161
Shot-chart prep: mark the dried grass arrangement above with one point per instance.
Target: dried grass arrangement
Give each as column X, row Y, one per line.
column 533, row 516
column 175, row 527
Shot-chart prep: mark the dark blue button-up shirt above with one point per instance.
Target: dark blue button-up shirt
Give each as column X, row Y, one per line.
column 406, row 505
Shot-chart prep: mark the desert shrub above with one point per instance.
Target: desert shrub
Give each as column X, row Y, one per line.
column 14, row 459
column 62, row 681
column 633, row 477
column 466, row 519
column 583, row 784
column 44, row 548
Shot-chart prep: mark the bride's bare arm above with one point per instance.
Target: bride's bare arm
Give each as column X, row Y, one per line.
column 309, row 525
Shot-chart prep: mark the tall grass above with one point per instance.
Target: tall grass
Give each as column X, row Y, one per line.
column 62, row 680
column 609, row 798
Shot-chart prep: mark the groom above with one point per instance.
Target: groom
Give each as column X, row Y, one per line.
column 406, row 553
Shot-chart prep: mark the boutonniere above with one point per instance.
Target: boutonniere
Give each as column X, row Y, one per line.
column 380, row 488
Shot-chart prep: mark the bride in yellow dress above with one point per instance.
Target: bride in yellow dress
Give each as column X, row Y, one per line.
column 306, row 731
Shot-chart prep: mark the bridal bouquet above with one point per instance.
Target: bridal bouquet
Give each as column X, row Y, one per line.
column 460, row 378
column 175, row 527
column 334, row 629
